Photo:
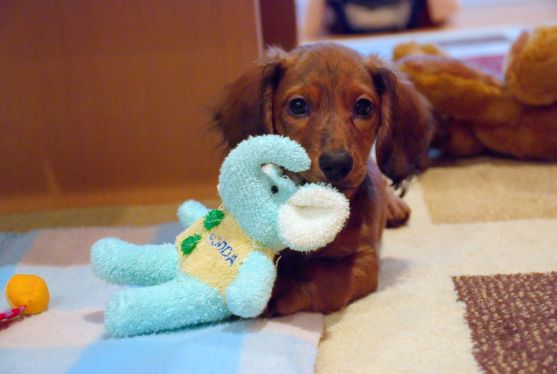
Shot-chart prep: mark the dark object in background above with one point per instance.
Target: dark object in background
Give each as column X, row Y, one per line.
column 359, row 16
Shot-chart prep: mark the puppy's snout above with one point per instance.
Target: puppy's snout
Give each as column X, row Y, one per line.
column 336, row 165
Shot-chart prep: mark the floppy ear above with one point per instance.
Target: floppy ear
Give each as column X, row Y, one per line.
column 406, row 124
column 385, row 82
column 312, row 217
column 246, row 106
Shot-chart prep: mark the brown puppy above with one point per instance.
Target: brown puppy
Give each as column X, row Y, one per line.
column 336, row 104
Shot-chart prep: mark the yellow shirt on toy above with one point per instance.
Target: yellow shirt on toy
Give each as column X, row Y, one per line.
column 214, row 247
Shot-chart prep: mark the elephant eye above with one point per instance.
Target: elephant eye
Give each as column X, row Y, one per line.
column 274, row 189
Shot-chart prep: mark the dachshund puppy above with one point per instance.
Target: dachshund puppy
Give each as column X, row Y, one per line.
column 337, row 104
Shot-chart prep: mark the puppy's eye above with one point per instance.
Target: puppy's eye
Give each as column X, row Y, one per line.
column 363, row 108
column 298, row 107
column 274, row 189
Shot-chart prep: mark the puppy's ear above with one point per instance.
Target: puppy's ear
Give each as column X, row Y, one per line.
column 405, row 128
column 385, row 82
column 245, row 108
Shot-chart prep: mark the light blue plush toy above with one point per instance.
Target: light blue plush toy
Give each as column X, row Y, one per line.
column 222, row 264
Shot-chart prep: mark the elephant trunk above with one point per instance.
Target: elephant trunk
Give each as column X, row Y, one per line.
column 244, row 187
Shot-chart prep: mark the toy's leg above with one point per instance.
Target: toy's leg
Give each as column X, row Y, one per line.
column 181, row 302
column 121, row 262
column 190, row 211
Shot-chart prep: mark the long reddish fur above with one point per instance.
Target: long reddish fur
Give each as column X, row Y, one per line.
column 332, row 77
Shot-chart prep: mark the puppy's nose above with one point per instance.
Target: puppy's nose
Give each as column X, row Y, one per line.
column 335, row 165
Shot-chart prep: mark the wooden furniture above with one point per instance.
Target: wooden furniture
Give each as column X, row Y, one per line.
column 108, row 102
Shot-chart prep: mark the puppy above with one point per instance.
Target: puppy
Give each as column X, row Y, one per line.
column 336, row 104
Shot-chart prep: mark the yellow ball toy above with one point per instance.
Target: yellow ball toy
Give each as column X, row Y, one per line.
column 28, row 291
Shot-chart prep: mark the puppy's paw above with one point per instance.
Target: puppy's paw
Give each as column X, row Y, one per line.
column 398, row 212
column 287, row 304
column 290, row 296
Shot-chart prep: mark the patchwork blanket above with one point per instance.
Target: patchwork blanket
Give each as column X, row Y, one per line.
column 70, row 336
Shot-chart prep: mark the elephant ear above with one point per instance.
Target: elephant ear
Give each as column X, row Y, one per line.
column 312, row 217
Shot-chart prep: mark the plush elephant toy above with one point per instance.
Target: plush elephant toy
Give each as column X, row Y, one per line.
column 223, row 263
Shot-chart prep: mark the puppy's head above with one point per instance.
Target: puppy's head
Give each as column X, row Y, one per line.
column 336, row 104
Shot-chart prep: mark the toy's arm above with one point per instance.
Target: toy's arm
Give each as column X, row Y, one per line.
column 249, row 294
column 190, row 211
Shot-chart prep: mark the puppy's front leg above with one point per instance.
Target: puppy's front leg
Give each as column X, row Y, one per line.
column 398, row 212
column 323, row 284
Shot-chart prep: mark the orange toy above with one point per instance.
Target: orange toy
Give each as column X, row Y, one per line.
column 27, row 294
column 480, row 113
